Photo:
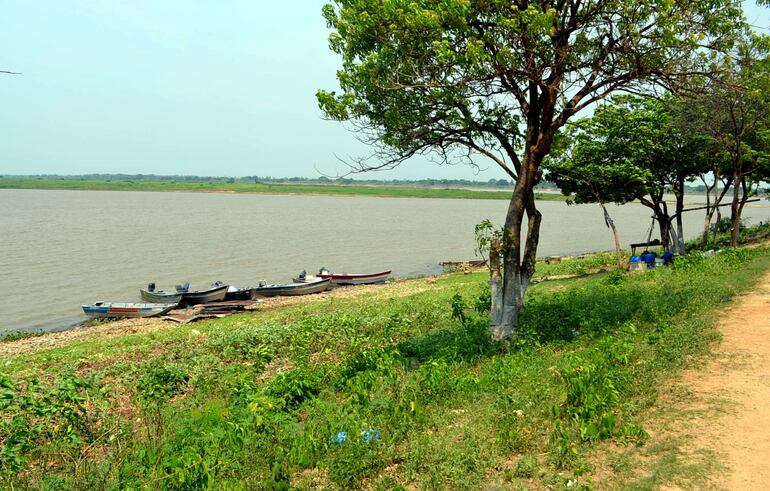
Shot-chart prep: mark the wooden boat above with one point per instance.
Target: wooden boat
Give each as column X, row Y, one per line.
column 182, row 294
column 344, row 278
column 235, row 293
column 299, row 288
column 120, row 309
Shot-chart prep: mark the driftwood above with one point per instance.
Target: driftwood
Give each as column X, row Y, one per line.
column 466, row 266
column 192, row 317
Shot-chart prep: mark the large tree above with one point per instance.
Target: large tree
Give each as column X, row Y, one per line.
column 734, row 110
column 591, row 168
column 460, row 78
column 632, row 149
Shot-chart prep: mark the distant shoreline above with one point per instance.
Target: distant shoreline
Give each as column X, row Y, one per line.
column 384, row 191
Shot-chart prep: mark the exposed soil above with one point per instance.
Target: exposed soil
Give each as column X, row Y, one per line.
column 733, row 395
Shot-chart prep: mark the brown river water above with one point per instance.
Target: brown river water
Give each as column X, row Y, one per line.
column 60, row 249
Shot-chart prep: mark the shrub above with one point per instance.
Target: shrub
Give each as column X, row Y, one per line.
column 160, row 381
column 241, row 345
column 293, row 387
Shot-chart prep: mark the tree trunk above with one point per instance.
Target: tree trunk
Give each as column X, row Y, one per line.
column 495, row 284
column 709, row 209
column 715, row 233
column 735, row 213
column 679, row 193
column 611, row 224
column 660, row 211
column 517, row 267
column 664, row 224
column 745, row 195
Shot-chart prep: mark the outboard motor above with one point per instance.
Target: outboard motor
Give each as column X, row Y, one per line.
column 303, row 274
column 151, row 287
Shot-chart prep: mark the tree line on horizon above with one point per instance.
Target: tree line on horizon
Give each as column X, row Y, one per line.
column 427, row 182
column 271, row 179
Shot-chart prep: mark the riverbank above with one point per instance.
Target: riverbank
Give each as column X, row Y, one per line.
column 405, row 370
column 264, row 188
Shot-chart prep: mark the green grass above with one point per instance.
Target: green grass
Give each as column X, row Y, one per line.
column 16, row 335
column 255, row 401
column 260, row 188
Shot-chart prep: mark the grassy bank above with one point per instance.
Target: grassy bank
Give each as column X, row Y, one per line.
column 260, row 188
column 258, row 401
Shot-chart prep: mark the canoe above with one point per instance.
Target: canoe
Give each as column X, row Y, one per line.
column 126, row 309
column 235, row 293
column 216, row 293
column 298, row 288
column 346, row 279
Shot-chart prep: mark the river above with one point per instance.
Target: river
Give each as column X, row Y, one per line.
column 60, row 249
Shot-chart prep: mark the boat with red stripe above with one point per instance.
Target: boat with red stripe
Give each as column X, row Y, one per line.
column 101, row 310
column 345, row 278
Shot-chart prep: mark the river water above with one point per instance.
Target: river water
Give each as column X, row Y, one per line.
column 60, row 249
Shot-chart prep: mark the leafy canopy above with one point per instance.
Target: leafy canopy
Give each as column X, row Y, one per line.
column 440, row 75
column 630, row 148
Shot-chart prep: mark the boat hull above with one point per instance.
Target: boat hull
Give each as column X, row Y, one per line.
column 240, row 294
column 115, row 310
column 350, row 279
column 292, row 289
column 213, row 295
column 160, row 296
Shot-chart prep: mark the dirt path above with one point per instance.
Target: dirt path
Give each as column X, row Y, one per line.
column 736, row 389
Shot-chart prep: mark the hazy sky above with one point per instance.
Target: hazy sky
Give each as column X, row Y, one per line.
column 221, row 88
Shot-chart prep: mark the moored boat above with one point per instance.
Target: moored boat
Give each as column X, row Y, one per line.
column 235, row 293
column 126, row 309
column 344, row 278
column 299, row 288
column 150, row 294
column 214, row 294
column 183, row 294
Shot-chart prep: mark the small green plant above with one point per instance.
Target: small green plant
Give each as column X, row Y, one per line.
column 241, row 345
column 16, row 335
column 458, row 308
column 614, row 277
column 160, row 381
column 526, row 467
column 295, row 386
column 483, row 301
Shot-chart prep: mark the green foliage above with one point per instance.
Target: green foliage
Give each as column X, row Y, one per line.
column 526, row 467
column 455, row 78
column 241, row 345
column 16, row 335
column 575, row 266
column 39, row 416
column 449, row 406
column 294, row 386
column 160, row 381
column 629, row 148
column 458, row 308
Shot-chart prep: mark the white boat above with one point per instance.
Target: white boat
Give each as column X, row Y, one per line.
column 344, row 278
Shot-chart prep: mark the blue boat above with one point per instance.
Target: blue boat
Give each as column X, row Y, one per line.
column 100, row 310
